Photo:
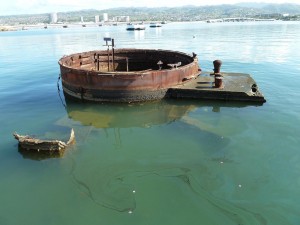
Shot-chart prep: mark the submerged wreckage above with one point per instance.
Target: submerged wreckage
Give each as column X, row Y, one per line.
column 125, row 75
column 29, row 144
column 130, row 75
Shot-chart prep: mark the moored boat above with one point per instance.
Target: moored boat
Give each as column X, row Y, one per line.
column 153, row 25
column 131, row 26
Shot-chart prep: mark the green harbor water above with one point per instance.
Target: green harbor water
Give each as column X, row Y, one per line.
column 169, row 162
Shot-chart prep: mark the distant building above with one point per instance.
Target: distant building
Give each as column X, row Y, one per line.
column 105, row 17
column 53, row 17
column 97, row 19
column 121, row 19
column 81, row 19
column 285, row 14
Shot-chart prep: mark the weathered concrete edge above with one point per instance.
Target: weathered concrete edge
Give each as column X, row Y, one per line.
column 213, row 95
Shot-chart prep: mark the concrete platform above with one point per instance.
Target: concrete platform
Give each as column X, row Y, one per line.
column 236, row 87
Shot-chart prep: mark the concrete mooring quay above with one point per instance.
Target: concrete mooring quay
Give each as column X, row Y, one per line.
column 233, row 87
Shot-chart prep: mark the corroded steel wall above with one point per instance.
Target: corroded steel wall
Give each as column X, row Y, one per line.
column 82, row 79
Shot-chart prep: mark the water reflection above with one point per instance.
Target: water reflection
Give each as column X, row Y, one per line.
column 139, row 35
column 142, row 114
column 41, row 155
column 127, row 115
column 153, row 165
column 158, row 31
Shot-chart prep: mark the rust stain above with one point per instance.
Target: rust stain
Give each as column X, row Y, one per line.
column 134, row 74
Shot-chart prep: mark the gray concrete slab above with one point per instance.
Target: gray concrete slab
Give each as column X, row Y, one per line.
column 236, row 87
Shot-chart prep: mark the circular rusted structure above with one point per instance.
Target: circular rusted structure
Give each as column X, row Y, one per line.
column 125, row 75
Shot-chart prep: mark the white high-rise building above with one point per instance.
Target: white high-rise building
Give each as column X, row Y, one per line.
column 105, row 17
column 97, row 19
column 121, row 19
column 54, row 17
column 81, row 19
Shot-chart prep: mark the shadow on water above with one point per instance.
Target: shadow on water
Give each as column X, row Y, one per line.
column 41, row 155
column 143, row 114
column 128, row 115
column 111, row 184
column 111, row 118
column 140, row 114
column 122, row 115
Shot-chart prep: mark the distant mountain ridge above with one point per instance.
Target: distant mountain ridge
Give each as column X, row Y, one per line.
column 273, row 8
column 184, row 13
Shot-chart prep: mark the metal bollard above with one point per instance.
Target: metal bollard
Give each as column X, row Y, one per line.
column 218, row 81
column 217, row 66
column 217, row 73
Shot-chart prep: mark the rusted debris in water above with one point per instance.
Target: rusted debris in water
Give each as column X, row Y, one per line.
column 132, row 75
column 125, row 75
column 28, row 143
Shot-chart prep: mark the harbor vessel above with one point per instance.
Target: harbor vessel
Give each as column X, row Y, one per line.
column 153, row 25
column 131, row 26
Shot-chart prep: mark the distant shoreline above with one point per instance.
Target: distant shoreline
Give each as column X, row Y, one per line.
column 7, row 28
column 4, row 28
column 286, row 12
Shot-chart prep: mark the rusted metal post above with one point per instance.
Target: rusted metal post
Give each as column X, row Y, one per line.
column 95, row 60
column 217, row 73
column 218, row 81
column 98, row 63
column 108, row 64
column 107, row 39
column 218, row 77
column 127, row 64
column 113, row 53
column 217, row 66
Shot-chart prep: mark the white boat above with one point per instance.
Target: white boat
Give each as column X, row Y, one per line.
column 155, row 24
column 131, row 26
column 215, row 21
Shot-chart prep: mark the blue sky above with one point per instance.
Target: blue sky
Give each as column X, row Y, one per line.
column 12, row 7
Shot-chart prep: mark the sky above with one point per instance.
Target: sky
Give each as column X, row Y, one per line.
column 15, row 7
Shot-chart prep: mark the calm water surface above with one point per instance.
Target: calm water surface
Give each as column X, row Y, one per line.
column 165, row 162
